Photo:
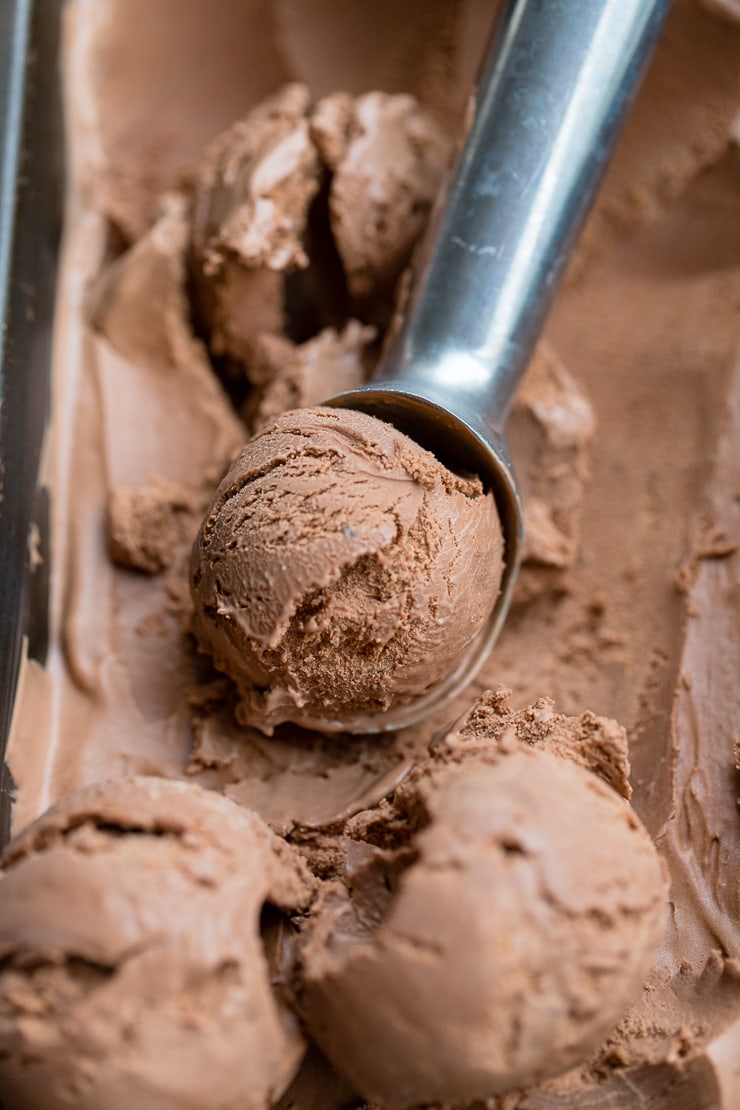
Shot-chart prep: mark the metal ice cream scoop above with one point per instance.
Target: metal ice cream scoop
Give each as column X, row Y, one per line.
column 542, row 122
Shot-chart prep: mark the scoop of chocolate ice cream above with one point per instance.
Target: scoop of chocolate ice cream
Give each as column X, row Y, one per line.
column 342, row 571
column 132, row 968
column 503, row 914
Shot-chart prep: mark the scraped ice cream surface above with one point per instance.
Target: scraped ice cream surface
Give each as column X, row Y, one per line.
column 424, row 896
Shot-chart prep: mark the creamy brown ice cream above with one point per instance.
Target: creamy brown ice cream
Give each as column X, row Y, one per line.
column 143, row 524
column 249, row 217
column 132, row 970
column 286, row 375
column 524, row 919
column 627, row 602
column 262, row 209
column 386, row 157
column 342, row 571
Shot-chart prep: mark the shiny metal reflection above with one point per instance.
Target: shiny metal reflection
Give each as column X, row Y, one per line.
column 543, row 119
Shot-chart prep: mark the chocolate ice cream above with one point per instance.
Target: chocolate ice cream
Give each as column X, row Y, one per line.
column 522, row 904
column 132, row 970
column 627, row 600
column 387, row 156
column 341, row 571
column 254, row 218
column 286, row 375
column 250, row 210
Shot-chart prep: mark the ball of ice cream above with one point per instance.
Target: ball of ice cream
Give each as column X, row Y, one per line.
column 132, row 967
column 525, row 904
column 342, row 571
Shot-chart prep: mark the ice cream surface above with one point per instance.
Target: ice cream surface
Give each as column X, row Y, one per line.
column 342, row 571
column 133, row 970
column 514, row 884
column 262, row 208
column 287, row 375
column 386, row 157
column 250, row 213
column 627, row 601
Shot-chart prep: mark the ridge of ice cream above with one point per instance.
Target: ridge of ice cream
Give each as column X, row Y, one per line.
column 342, row 571
column 509, row 880
column 379, row 158
column 250, row 209
column 287, row 376
column 132, row 970
column 386, row 156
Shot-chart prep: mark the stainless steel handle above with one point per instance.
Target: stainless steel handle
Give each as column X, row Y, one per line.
column 558, row 77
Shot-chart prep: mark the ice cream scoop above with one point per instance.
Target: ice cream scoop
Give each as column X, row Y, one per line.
column 500, row 914
column 557, row 79
column 555, row 85
column 342, row 572
column 135, row 953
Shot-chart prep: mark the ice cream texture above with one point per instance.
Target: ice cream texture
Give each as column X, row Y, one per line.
column 132, row 969
column 342, row 571
column 627, row 601
column 515, row 885
column 262, row 208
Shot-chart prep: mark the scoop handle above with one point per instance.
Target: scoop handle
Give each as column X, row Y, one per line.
column 557, row 79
